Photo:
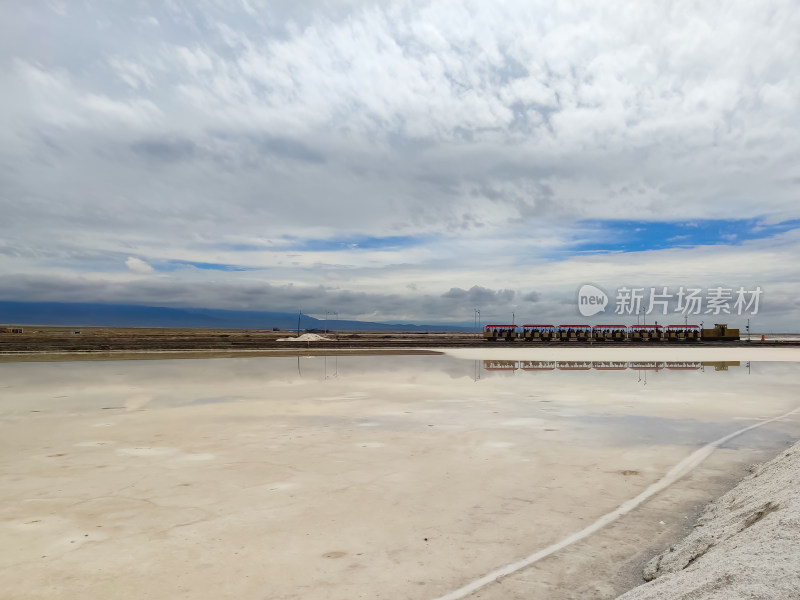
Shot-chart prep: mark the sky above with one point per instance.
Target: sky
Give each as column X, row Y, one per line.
column 408, row 161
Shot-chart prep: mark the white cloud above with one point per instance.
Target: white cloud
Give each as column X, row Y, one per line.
column 137, row 265
column 57, row 100
column 486, row 130
column 195, row 60
column 135, row 74
column 134, row 112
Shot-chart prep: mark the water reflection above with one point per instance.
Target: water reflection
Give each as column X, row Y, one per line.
column 586, row 365
column 147, row 385
column 300, row 459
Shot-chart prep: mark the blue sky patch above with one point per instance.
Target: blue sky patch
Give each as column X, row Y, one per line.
column 599, row 236
column 396, row 242
column 174, row 265
column 242, row 247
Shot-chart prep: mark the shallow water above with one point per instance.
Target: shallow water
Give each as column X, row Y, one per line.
column 358, row 476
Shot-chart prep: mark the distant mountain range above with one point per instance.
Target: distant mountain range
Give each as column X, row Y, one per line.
column 123, row 315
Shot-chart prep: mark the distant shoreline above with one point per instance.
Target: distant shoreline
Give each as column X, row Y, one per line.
column 85, row 340
column 523, row 356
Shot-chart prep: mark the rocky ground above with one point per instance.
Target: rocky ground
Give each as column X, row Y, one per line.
column 746, row 544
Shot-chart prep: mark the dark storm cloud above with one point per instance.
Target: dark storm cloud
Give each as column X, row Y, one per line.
column 251, row 296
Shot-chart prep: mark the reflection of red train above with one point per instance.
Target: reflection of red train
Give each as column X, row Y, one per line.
column 597, row 333
column 601, row 365
column 500, row 365
column 537, row 365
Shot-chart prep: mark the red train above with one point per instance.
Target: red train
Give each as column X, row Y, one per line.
column 595, row 333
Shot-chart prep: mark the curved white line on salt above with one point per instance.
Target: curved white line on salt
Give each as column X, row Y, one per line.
column 678, row 471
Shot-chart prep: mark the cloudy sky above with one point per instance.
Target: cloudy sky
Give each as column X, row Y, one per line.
column 404, row 161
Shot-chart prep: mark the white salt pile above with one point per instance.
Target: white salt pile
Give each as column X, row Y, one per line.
column 306, row 337
column 745, row 545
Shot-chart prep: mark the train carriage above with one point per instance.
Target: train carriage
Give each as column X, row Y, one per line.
column 500, row 365
column 500, row 332
column 646, row 333
column 610, row 365
column 682, row 333
column 538, row 333
column 574, row 333
column 647, row 365
column 538, row 365
column 683, row 366
column 610, row 333
column 574, row 365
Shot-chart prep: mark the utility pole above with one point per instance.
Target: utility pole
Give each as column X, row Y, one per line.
column 300, row 312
